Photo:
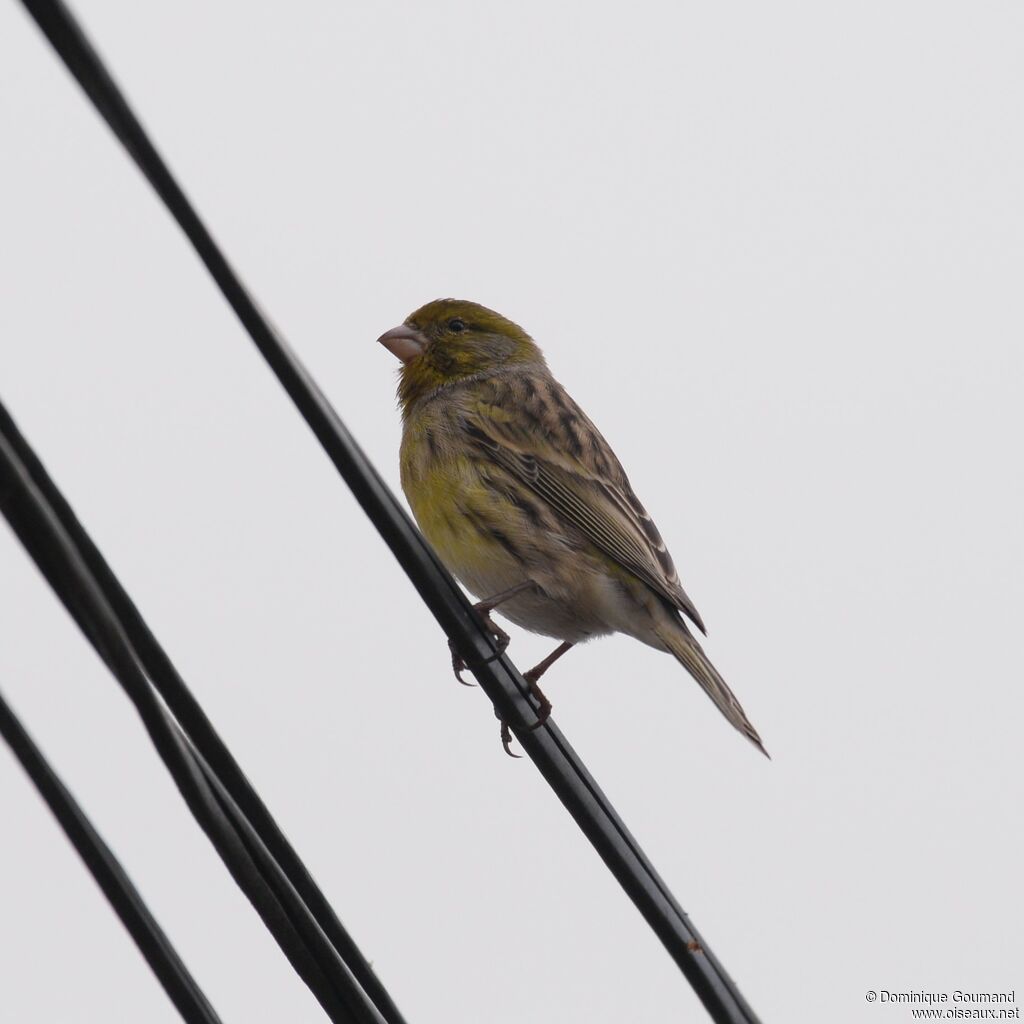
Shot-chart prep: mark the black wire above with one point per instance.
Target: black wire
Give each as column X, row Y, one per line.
column 179, row 985
column 199, row 729
column 259, row 876
column 497, row 676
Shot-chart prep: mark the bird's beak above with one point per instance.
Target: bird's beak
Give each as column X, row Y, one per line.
column 404, row 341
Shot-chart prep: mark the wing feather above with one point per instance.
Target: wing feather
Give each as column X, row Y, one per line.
column 560, row 455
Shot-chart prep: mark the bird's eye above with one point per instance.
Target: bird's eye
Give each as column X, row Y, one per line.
column 456, row 326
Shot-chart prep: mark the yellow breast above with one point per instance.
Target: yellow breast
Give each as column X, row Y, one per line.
column 458, row 511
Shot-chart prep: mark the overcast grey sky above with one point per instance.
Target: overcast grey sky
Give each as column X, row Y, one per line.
column 775, row 250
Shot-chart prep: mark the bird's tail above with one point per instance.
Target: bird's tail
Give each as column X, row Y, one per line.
column 690, row 655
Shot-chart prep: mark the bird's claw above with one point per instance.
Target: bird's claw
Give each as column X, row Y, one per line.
column 459, row 665
column 543, row 713
column 501, row 641
column 506, row 740
column 501, row 638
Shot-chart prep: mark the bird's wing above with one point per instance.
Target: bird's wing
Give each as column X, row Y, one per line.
column 534, row 430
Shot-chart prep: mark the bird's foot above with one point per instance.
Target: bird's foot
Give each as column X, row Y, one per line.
column 531, row 677
column 484, row 609
column 543, row 712
column 506, row 735
column 501, row 639
column 459, row 665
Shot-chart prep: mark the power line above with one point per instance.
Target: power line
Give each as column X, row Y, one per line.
column 496, row 674
column 178, row 983
column 340, row 978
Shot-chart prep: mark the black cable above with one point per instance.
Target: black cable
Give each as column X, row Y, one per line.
column 268, row 889
column 198, row 727
column 497, row 676
column 180, row 986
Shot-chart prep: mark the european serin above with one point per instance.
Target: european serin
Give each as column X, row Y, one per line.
column 525, row 502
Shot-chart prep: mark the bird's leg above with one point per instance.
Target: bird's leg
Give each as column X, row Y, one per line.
column 492, row 602
column 535, row 673
column 531, row 677
column 483, row 609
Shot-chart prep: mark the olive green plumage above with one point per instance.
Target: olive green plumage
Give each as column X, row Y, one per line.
column 510, row 481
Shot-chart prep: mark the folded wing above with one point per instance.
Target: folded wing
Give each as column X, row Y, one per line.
column 561, row 456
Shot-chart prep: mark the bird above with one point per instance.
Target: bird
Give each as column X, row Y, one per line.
column 525, row 502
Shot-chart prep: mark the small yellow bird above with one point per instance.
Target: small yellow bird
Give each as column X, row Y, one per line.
column 525, row 502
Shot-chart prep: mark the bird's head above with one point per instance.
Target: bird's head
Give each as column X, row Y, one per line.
column 448, row 340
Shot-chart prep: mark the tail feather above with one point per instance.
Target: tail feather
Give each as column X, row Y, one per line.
column 690, row 655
